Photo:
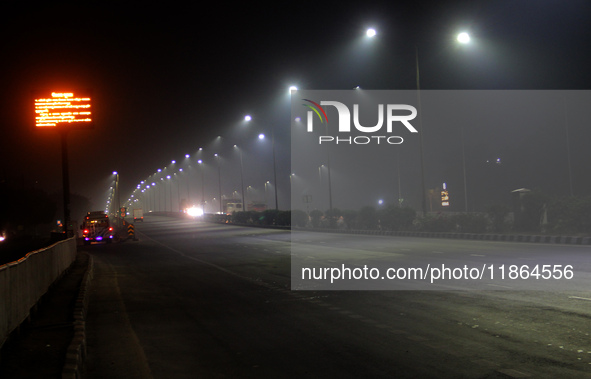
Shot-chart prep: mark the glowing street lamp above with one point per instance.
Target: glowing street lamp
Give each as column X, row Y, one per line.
column 463, row 38
column 370, row 32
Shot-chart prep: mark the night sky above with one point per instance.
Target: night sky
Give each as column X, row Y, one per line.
column 167, row 80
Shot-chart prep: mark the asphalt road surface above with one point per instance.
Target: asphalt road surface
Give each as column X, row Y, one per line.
column 196, row 300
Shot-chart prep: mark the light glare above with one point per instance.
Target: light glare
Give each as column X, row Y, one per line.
column 195, row 212
column 463, row 37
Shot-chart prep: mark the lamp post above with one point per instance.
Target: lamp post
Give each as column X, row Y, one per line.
column 178, row 189
column 463, row 38
column 320, row 181
column 169, row 190
column 266, row 183
column 169, row 177
column 163, row 186
column 421, row 145
column 242, row 176
column 249, row 188
column 118, row 196
column 200, row 162
column 188, row 176
column 219, row 182
column 261, row 137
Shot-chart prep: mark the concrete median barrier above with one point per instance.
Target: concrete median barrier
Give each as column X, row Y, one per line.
column 24, row 282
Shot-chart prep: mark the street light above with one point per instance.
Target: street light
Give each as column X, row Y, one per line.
column 170, row 190
column 320, row 183
column 200, row 162
column 241, row 177
column 463, row 38
column 178, row 189
column 118, row 196
column 249, row 188
column 261, row 137
column 219, row 182
column 266, row 183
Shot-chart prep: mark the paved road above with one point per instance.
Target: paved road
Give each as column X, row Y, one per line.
column 193, row 300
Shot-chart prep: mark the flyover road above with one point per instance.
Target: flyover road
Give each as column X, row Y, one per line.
column 196, row 300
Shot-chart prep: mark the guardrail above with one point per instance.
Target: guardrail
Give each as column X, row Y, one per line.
column 24, row 282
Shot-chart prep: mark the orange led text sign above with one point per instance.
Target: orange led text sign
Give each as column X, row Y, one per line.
column 63, row 110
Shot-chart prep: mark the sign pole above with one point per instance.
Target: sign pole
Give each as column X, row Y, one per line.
column 65, row 181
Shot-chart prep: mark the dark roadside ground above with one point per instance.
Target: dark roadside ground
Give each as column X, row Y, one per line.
column 39, row 349
column 15, row 248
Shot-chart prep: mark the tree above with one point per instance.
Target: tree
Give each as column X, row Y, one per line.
column 368, row 218
column 498, row 214
column 397, row 218
column 533, row 207
column 315, row 217
column 299, row 218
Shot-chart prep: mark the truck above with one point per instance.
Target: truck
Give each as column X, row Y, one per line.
column 233, row 207
column 96, row 227
column 138, row 214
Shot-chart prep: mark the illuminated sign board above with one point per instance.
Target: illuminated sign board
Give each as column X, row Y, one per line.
column 444, row 196
column 63, row 110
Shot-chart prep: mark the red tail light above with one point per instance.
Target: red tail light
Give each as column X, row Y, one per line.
column 85, row 231
column 110, row 229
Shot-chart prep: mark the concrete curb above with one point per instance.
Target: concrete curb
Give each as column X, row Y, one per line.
column 76, row 352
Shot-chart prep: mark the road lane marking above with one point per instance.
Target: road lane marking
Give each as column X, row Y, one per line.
column 514, row 373
column 579, row 298
column 498, row 285
column 397, row 331
column 417, row 338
